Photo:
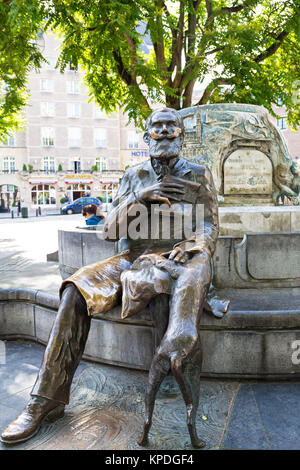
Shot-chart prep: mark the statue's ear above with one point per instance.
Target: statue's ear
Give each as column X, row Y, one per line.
column 146, row 137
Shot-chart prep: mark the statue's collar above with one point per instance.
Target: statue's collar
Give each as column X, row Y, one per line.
column 180, row 168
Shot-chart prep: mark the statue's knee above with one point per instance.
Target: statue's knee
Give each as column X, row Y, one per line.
column 71, row 299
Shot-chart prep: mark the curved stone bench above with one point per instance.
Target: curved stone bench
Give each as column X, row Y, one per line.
column 254, row 340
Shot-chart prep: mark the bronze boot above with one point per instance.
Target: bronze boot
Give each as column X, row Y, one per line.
column 28, row 423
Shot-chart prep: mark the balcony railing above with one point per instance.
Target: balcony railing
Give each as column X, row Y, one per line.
column 49, row 172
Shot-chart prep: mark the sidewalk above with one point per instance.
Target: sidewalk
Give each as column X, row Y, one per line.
column 24, row 245
column 31, row 213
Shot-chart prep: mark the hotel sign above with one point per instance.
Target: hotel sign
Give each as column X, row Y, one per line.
column 76, row 178
column 80, row 176
column 139, row 153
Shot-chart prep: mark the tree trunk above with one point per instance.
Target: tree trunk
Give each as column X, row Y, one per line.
column 188, row 94
column 173, row 102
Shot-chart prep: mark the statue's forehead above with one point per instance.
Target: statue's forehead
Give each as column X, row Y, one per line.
column 165, row 116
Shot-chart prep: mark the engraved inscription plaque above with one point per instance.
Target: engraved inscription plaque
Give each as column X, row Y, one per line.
column 247, row 171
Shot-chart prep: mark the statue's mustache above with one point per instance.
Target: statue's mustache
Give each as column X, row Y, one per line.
column 169, row 136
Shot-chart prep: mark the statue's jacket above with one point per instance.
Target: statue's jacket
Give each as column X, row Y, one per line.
column 136, row 225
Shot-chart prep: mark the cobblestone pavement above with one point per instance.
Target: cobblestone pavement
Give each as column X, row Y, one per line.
column 106, row 409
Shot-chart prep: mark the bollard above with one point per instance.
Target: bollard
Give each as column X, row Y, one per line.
column 12, row 214
column 36, row 212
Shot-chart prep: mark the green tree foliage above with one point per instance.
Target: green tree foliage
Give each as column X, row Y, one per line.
column 19, row 54
column 236, row 50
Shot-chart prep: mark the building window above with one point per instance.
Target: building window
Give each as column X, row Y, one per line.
column 49, row 164
column 100, row 137
column 9, row 141
column 76, row 166
column 99, row 113
column 47, row 136
column 74, row 110
column 43, row 195
column 281, row 123
column 133, row 140
column 51, row 63
column 46, row 85
column 9, row 165
column 74, row 136
column 101, row 164
column 73, row 87
column 47, row 109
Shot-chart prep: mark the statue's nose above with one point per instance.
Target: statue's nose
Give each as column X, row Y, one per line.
column 164, row 129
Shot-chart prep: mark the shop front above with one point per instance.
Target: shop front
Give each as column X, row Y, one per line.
column 9, row 195
column 108, row 188
column 43, row 193
column 77, row 187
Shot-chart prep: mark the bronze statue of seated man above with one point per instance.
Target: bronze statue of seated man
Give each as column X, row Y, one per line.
column 169, row 180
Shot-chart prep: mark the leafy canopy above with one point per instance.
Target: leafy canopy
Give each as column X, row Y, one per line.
column 241, row 51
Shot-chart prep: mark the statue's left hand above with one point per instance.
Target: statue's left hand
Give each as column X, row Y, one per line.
column 179, row 255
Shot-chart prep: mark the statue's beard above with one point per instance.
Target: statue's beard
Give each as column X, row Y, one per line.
column 160, row 167
column 165, row 148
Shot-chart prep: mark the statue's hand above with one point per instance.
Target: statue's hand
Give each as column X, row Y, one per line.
column 187, row 249
column 179, row 255
column 161, row 192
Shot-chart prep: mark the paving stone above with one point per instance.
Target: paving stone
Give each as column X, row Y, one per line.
column 245, row 428
column 17, row 401
column 279, row 406
column 23, row 360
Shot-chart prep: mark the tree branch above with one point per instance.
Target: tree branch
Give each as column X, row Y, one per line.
column 209, row 9
column 177, row 42
column 210, row 88
column 273, row 48
column 212, row 14
column 234, row 9
column 159, row 47
column 217, row 49
column 127, row 77
column 132, row 46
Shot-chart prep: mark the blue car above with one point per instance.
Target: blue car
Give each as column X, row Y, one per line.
column 76, row 206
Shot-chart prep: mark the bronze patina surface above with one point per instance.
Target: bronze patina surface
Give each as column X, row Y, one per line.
column 181, row 289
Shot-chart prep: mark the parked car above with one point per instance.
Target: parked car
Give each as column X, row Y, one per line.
column 76, row 206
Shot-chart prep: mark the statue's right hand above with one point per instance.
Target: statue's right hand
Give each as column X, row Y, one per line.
column 161, row 192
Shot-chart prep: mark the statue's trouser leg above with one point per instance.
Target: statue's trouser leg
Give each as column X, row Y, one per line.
column 65, row 348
